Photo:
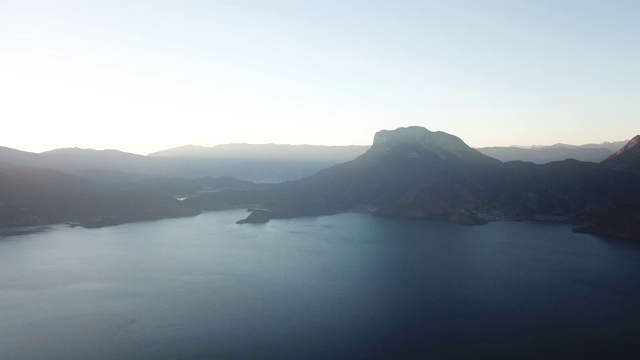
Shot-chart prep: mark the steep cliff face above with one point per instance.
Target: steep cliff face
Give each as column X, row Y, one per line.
column 631, row 146
column 627, row 158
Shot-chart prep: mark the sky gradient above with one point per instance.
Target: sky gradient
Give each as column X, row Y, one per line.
column 143, row 76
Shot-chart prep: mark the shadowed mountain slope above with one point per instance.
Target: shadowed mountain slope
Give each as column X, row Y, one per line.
column 406, row 172
column 618, row 213
column 627, row 158
column 404, row 169
column 32, row 196
column 413, row 172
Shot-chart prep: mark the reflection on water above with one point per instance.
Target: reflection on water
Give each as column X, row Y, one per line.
column 15, row 231
column 336, row 287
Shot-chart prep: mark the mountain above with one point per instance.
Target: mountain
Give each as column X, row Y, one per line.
column 337, row 154
column 558, row 152
column 612, row 146
column 403, row 174
column 618, row 213
column 183, row 151
column 259, row 162
column 256, row 164
column 12, row 157
column 89, row 158
column 105, row 163
column 628, row 157
column 33, row 196
column 270, row 152
column 413, row 172
column 183, row 187
column 406, row 172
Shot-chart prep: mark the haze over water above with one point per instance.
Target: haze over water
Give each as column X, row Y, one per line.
column 344, row 286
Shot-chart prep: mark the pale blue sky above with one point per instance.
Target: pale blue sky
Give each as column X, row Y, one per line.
column 142, row 76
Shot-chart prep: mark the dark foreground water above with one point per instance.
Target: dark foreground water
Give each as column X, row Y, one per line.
column 338, row 287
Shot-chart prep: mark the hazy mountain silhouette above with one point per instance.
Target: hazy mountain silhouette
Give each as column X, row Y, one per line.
column 338, row 154
column 11, row 157
column 33, row 196
column 610, row 145
column 182, row 187
column 112, row 166
column 557, row 152
column 260, row 163
column 327, row 154
column 76, row 158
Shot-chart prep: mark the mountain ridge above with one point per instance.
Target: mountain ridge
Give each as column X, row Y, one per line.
column 413, row 172
column 255, row 162
column 407, row 172
column 632, row 146
column 628, row 157
column 324, row 153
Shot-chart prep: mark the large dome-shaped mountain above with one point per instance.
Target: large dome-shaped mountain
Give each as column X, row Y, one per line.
column 406, row 172
column 417, row 141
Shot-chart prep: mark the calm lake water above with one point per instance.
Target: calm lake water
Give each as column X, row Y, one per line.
column 337, row 287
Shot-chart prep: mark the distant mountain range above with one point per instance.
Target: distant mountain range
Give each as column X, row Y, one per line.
column 546, row 154
column 407, row 172
column 253, row 162
column 338, row 154
column 112, row 166
column 269, row 152
column 412, row 172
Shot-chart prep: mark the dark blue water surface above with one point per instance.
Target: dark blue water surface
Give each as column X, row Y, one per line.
column 338, row 287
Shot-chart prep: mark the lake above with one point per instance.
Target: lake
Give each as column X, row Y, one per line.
column 336, row 287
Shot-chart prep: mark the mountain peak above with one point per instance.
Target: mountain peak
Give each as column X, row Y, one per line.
column 76, row 152
column 628, row 157
column 416, row 139
column 418, row 136
column 632, row 145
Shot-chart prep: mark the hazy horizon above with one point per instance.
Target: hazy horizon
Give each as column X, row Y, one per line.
column 534, row 146
column 145, row 76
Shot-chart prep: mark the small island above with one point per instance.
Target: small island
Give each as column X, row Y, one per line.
column 258, row 216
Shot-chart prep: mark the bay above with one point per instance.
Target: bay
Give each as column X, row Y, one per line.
column 334, row 287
